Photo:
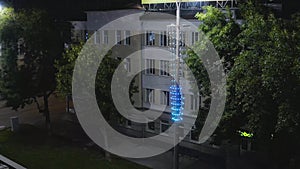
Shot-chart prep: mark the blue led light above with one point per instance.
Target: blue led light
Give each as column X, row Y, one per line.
column 176, row 103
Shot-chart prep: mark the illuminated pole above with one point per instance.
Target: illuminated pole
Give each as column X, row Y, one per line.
column 175, row 90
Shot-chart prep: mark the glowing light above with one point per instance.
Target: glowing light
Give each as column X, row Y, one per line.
column 176, row 103
column 245, row 134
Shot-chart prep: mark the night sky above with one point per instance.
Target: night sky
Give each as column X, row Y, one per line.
column 74, row 9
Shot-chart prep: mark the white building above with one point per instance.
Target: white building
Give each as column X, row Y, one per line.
column 149, row 31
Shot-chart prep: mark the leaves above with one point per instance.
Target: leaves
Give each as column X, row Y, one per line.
column 262, row 63
column 30, row 44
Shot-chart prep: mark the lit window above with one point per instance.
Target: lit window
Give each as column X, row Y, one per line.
column 149, row 96
column 165, row 98
column 164, row 68
column 127, row 38
column 105, row 37
column 150, row 66
column 118, row 37
column 150, row 38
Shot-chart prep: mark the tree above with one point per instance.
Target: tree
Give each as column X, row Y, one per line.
column 30, row 44
column 220, row 29
column 66, row 65
column 105, row 72
column 262, row 64
column 264, row 84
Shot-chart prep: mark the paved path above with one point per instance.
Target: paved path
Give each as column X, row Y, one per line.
column 164, row 161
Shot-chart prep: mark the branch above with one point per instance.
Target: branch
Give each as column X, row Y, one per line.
column 37, row 104
column 49, row 94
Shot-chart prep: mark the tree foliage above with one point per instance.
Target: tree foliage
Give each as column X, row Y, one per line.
column 261, row 57
column 104, row 76
column 221, row 30
column 264, row 83
column 30, row 44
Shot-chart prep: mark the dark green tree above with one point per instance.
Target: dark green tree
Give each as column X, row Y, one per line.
column 264, row 84
column 221, row 30
column 30, row 44
column 261, row 58
column 103, row 81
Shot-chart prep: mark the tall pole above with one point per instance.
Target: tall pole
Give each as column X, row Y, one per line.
column 177, row 60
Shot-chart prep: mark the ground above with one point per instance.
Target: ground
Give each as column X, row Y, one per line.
column 68, row 146
column 33, row 148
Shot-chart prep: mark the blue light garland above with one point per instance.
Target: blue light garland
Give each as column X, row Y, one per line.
column 176, row 102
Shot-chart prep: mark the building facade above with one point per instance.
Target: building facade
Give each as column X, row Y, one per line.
column 145, row 45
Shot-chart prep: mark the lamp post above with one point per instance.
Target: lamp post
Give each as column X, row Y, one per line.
column 175, row 90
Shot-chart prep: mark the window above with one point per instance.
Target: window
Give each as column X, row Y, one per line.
column 150, row 38
column 165, row 98
column 118, row 37
column 97, row 37
column 21, row 50
column 149, row 96
column 105, row 37
column 127, row 65
column 194, row 102
column 164, row 68
column 183, row 39
column 164, row 126
column 127, row 38
column 129, row 123
column 195, row 37
column 184, row 105
column 86, row 36
column 163, row 39
column 151, row 126
column 150, row 66
column 194, row 134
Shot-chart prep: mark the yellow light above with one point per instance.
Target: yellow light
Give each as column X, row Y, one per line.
column 245, row 134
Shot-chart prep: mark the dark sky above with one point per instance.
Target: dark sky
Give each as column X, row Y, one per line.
column 74, row 9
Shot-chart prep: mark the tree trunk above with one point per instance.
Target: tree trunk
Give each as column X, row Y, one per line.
column 47, row 113
column 107, row 154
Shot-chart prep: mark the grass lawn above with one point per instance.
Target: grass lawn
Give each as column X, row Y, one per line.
column 34, row 149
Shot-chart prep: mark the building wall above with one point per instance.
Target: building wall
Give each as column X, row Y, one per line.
column 142, row 24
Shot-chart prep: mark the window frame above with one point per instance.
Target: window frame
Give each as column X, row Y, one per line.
column 150, row 67
column 127, row 40
column 149, row 96
column 164, row 68
column 165, row 98
column 105, row 37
